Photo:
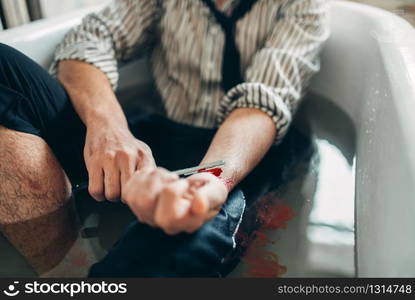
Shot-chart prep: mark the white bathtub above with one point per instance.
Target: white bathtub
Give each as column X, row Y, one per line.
column 368, row 71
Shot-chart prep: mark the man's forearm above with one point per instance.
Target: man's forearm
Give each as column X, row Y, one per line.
column 90, row 93
column 112, row 154
column 241, row 141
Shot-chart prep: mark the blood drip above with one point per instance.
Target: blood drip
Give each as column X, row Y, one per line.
column 272, row 214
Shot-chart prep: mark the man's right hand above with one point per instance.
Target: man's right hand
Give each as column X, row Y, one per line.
column 112, row 155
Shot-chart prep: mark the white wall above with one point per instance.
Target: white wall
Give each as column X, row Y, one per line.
column 52, row 8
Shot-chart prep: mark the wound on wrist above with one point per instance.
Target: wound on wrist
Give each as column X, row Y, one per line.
column 228, row 182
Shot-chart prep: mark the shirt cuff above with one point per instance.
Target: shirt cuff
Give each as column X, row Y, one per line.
column 259, row 96
column 88, row 52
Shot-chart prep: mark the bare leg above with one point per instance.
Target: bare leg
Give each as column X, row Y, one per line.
column 36, row 213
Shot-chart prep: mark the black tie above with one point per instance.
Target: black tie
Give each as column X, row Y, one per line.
column 231, row 66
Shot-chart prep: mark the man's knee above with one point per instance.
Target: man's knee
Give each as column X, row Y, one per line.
column 4, row 49
column 32, row 183
column 8, row 55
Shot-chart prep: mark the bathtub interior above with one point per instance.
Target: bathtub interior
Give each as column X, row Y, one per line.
column 319, row 238
column 369, row 72
column 357, row 113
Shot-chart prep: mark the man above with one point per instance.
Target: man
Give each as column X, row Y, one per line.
column 238, row 66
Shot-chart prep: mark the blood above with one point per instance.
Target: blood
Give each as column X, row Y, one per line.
column 276, row 216
column 263, row 263
column 229, row 182
column 272, row 214
column 215, row 171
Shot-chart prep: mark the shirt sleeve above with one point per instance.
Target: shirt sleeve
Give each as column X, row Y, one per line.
column 280, row 71
column 113, row 34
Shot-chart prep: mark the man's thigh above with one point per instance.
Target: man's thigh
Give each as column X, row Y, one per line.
column 32, row 101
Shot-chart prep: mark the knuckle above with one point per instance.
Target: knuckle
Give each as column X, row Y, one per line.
column 145, row 152
column 146, row 149
column 124, row 154
column 110, row 155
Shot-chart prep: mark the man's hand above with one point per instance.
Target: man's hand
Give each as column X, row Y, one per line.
column 159, row 198
column 112, row 155
column 111, row 152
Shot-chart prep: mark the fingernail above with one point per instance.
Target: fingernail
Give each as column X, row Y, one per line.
column 182, row 207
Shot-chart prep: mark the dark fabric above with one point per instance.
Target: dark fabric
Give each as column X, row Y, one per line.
column 231, row 66
column 33, row 102
column 143, row 251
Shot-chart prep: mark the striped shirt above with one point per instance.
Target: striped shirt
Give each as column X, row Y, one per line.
column 278, row 40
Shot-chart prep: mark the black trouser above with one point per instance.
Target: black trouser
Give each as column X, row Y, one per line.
column 32, row 101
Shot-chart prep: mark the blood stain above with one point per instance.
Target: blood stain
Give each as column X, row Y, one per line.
column 272, row 214
column 215, row 171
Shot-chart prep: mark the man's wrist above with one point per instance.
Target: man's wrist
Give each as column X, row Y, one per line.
column 228, row 182
column 96, row 119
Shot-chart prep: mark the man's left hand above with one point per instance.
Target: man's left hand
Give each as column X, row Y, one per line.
column 172, row 204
